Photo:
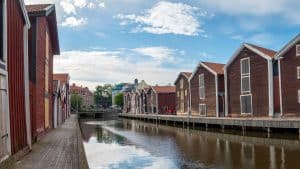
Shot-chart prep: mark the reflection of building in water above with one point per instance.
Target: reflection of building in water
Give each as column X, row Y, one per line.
column 247, row 155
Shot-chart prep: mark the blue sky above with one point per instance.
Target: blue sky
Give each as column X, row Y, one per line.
column 111, row 41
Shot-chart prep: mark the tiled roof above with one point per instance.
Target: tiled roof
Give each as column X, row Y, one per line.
column 268, row 52
column 164, row 89
column 36, row 8
column 216, row 67
column 62, row 77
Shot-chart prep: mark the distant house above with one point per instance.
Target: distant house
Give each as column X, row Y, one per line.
column 289, row 83
column 64, row 85
column 162, row 99
column 183, row 93
column 15, row 133
column 117, row 89
column 43, row 44
column 86, row 95
column 207, row 90
column 249, row 82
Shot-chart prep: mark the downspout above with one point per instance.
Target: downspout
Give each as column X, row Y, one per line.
column 26, row 85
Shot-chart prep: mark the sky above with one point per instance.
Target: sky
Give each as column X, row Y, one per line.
column 113, row 41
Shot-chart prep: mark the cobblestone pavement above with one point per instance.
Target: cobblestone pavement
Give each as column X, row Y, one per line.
column 59, row 149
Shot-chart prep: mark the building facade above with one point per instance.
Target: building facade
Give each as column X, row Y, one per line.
column 289, row 74
column 207, row 88
column 249, row 82
column 86, row 95
column 43, row 45
column 183, row 93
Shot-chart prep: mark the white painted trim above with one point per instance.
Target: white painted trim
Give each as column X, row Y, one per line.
column 271, row 88
column 298, row 72
column 287, row 47
column 251, row 103
column 204, row 66
column 190, row 99
column 217, row 96
column 181, row 73
column 26, row 85
column 298, row 50
column 226, row 93
column 244, row 45
column 299, row 96
column 245, row 75
column 25, row 14
column 202, row 104
column 280, row 89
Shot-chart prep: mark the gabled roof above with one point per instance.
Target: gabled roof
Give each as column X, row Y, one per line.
column 164, row 89
column 47, row 10
column 214, row 68
column 288, row 46
column 187, row 75
column 261, row 51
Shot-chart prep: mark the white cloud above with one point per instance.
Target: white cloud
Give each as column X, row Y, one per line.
column 112, row 67
column 159, row 53
column 166, row 17
column 74, row 22
column 80, row 3
column 68, row 7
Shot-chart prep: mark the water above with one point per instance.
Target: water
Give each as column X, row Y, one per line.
column 130, row 144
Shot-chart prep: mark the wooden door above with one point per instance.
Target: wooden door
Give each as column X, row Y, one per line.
column 4, row 118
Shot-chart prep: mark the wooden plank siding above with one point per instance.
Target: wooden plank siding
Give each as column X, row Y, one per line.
column 289, row 82
column 166, row 100
column 258, row 83
column 15, row 53
column 182, row 95
column 210, row 93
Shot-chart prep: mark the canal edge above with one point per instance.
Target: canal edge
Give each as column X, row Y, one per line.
column 82, row 159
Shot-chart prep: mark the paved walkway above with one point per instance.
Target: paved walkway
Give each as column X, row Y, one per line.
column 60, row 149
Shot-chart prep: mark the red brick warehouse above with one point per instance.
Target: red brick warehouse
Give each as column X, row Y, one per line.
column 43, row 44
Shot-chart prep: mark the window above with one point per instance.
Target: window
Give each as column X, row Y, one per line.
column 298, row 50
column 299, row 96
column 181, row 96
column 298, row 72
column 245, row 75
column 181, row 83
column 178, row 94
column 202, row 109
column 185, row 92
column 246, row 103
column 182, row 107
column 201, row 87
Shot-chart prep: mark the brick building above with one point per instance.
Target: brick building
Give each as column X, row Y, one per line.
column 84, row 92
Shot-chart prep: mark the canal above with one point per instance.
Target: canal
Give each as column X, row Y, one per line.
column 130, row 144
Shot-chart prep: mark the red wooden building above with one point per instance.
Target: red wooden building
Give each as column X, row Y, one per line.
column 207, row 90
column 249, row 82
column 162, row 99
column 43, row 44
column 289, row 72
column 16, row 25
column 183, row 93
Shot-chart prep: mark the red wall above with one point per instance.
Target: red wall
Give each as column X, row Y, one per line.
column 15, row 55
column 166, row 99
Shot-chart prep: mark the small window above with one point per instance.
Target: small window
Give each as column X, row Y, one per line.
column 202, row 109
column 245, row 66
column 298, row 50
column 245, row 84
column 185, row 92
column 246, row 104
column 181, row 83
column 177, row 93
column 181, row 96
column 298, row 72
column 201, row 87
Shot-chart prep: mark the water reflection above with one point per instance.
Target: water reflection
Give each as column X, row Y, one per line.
column 134, row 144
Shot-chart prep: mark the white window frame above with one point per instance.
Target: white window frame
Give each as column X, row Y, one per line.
column 298, row 72
column 247, row 75
column 251, row 103
column 202, row 87
column 298, row 50
column 205, row 111
column 181, row 83
column 299, row 96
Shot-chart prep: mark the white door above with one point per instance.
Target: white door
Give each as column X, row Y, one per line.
column 4, row 118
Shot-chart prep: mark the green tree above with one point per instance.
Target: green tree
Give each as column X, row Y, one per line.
column 119, row 99
column 76, row 102
column 103, row 95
